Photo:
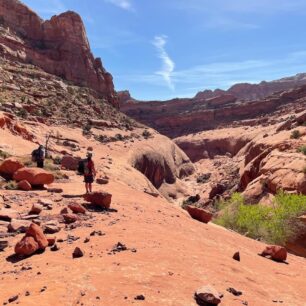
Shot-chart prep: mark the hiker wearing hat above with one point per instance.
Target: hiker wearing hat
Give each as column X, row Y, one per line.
column 38, row 156
column 89, row 172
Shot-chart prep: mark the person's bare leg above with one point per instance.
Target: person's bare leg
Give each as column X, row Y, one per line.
column 86, row 186
column 90, row 187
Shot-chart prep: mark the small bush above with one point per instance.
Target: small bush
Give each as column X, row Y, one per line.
column 58, row 175
column 57, row 160
column 11, row 185
column 295, row 134
column 4, row 154
column 302, row 149
column 203, row 178
column 146, row 134
column 87, row 129
column 275, row 224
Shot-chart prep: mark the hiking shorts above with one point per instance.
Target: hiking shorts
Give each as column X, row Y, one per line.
column 88, row 179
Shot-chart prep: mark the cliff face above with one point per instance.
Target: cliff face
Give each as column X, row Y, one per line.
column 59, row 46
column 213, row 109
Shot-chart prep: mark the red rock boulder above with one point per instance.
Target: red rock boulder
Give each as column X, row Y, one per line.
column 37, row 233
column 35, row 176
column 207, row 295
column 70, row 218
column 199, row 214
column 77, row 208
column 9, row 166
column 70, row 162
column 277, row 253
column 24, row 185
column 102, row 199
column 27, row 246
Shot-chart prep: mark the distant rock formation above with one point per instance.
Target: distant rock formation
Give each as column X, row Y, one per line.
column 59, row 46
column 212, row 109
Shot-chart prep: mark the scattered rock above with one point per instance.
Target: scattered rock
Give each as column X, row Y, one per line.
column 102, row 199
column 13, row 298
column 97, row 233
column 275, row 252
column 234, row 291
column 51, row 241
column 70, row 218
column 86, row 240
column 119, row 247
column 51, row 227
column 77, row 253
column 36, row 209
column 46, row 203
column 102, row 181
column 7, row 214
column 139, row 297
column 54, row 248
column 77, row 208
column 20, row 226
column 236, row 256
column 3, row 245
column 199, row 214
column 64, row 211
column 217, row 189
column 55, row 190
column 207, row 294
column 24, row 185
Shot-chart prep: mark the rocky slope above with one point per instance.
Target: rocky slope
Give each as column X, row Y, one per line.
column 141, row 219
column 59, row 46
column 211, row 110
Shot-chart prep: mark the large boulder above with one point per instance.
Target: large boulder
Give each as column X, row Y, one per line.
column 37, row 233
column 35, row 176
column 199, row 214
column 70, row 162
column 102, row 199
column 9, row 166
column 27, row 246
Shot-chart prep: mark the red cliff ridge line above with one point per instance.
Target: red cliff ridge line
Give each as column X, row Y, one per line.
column 59, row 46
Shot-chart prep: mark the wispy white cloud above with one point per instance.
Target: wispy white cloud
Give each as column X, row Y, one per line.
column 225, row 74
column 168, row 65
column 123, row 4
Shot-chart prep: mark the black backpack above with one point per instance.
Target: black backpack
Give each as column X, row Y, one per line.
column 81, row 166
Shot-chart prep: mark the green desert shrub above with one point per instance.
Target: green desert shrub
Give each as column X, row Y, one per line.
column 302, row 149
column 295, row 134
column 11, row 185
column 277, row 224
column 4, row 154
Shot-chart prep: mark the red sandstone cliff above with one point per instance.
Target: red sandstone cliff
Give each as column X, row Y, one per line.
column 212, row 109
column 59, row 46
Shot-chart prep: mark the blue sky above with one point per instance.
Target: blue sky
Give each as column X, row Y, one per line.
column 164, row 49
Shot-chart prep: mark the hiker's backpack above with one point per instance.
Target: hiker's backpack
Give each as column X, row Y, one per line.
column 81, row 166
column 86, row 168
